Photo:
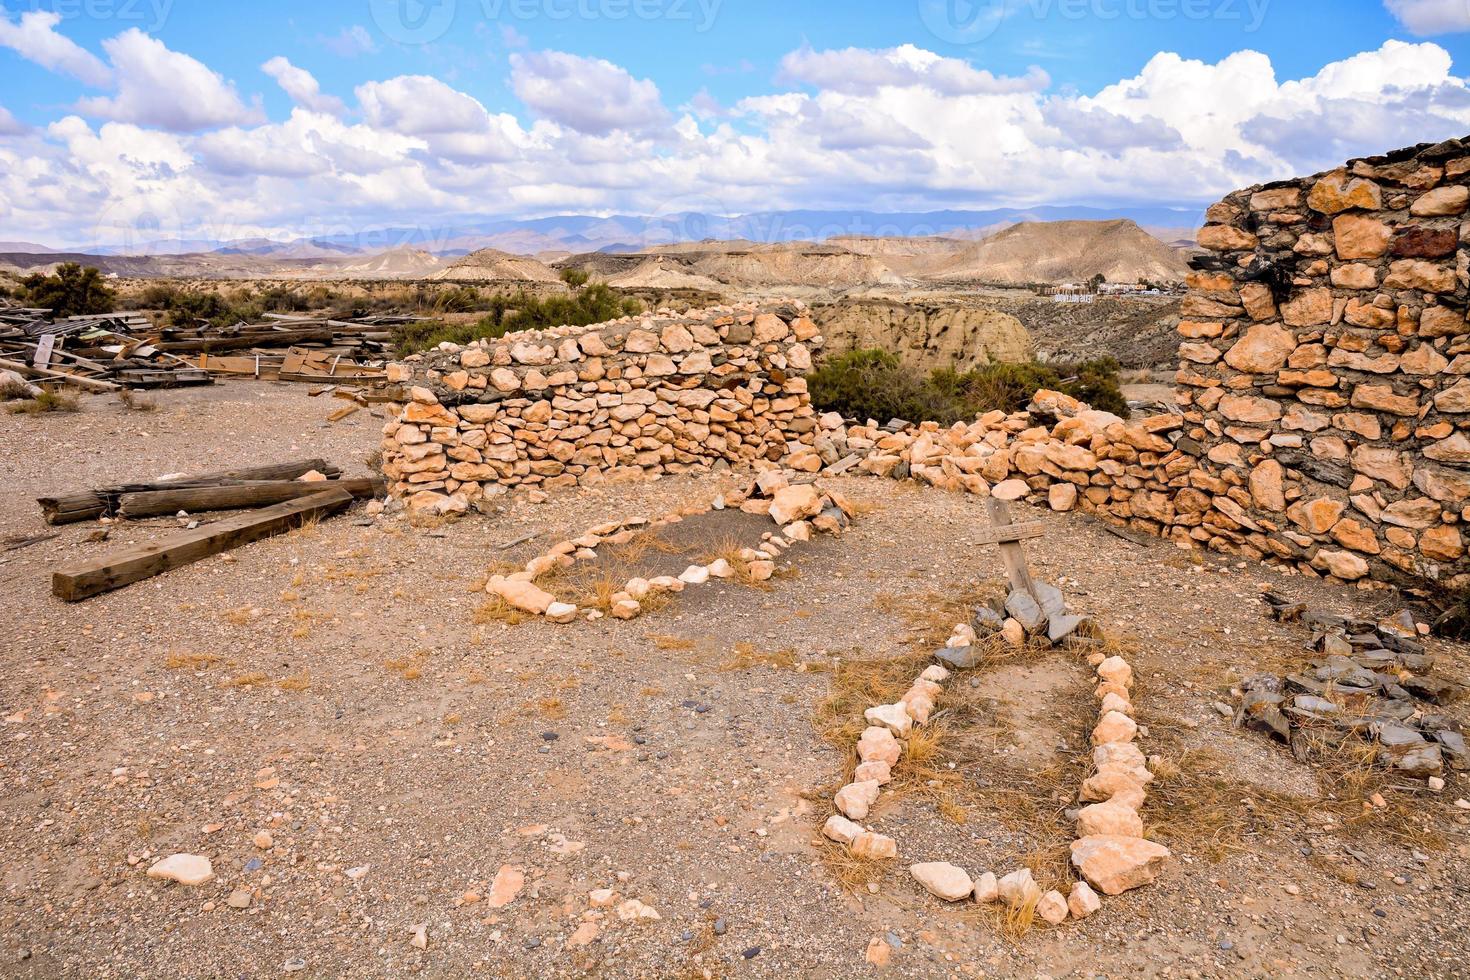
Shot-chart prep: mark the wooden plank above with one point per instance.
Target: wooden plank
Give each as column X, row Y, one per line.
column 1010, row 551
column 1010, row 533
column 149, row 503
column 86, row 579
column 25, row 370
column 42, row 359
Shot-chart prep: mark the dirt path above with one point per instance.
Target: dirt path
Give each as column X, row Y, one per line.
column 334, row 688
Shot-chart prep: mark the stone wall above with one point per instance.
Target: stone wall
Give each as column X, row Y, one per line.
column 1324, row 361
column 627, row 399
column 1324, row 391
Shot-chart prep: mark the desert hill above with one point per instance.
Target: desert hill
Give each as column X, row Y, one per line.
column 1066, row 251
column 398, row 263
column 493, row 265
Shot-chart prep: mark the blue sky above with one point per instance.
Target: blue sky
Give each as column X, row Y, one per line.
column 279, row 117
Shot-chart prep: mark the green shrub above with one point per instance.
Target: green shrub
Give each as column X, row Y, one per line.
column 72, row 291
column 592, row 304
column 872, row 383
column 576, row 278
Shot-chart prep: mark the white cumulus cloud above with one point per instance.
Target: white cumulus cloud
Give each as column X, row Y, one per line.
column 301, row 86
column 34, row 37
column 589, row 95
column 419, row 105
column 1430, row 17
column 862, row 71
column 166, row 89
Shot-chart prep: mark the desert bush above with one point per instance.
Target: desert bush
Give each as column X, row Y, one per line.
column 13, row 390
column 576, row 278
column 46, row 401
column 72, row 291
column 873, row 383
column 592, row 304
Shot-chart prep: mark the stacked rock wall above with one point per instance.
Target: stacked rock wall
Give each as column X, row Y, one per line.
column 1324, row 366
column 584, row 405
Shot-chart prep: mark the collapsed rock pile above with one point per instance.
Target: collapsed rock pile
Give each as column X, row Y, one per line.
column 799, row 509
column 1110, row 853
column 579, row 406
column 1365, row 684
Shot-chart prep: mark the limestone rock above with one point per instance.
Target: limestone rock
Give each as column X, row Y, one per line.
column 794, row 503
column 877, row 744
column 1114, row 865
column 874, row 847
column 520, row 594
column 840, row 829
column 186, row 869
column 894, row 716
column 854, row 799
column 1083, row 901
column 1018, row 888
column 1114, row 818
column 943, row 880
column 1053, row 907
column 1114, row 727
column 987, row 889
column 1262, row 350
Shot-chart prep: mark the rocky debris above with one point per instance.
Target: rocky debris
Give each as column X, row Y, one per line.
column 520, row 591
column 987, row 888
column 186, row 869
column 943, row 880
column 1018, row 889
column 509, row 881
column 1052, row 907
column 1114, row 865
column 1082, row 901
column 854, row 799
column 1368, row 685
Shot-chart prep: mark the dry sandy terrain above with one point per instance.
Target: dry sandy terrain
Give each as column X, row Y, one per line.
column 334, row 688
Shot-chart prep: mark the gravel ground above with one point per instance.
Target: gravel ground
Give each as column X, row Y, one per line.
column 333, row 688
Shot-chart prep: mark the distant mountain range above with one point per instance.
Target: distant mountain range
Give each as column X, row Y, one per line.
column 576, row 233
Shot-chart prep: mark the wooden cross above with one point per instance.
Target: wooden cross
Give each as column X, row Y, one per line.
column 1009, row 536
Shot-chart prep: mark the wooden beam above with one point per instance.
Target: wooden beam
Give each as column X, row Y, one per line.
column 86, row 579
column 1009, row 533
column 194, row 499
column 84, row 504
column 1010, row 551
column 25, row 370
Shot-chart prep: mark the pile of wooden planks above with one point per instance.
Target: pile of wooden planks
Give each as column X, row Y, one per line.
column 125, row 350
column 275, row 498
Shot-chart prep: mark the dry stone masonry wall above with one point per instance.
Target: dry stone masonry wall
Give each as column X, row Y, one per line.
column 1324, row 395
column 1324, row 367
column 627, row 399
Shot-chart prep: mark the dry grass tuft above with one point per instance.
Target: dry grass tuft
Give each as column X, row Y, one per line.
column 496, row 610
column 552, row 709
column 852, row 873
column 670, row 643
column 45, row 403
column 746, row 656
column 411, row 667
column 245, row 680
column 192, row 661
column 296, row 682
